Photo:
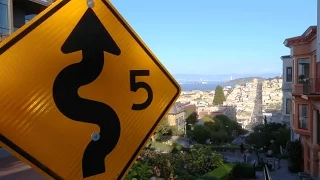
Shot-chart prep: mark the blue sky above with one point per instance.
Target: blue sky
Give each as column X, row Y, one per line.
column 218, row 36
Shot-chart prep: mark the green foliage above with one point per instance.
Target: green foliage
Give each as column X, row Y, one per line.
column 294, row 151
column 243, row 171
column 282, row 136
column 257, row 139
column 219, row 136
column 173, row 130
column 179, row 133
column 201, row 160
column 230, row 125
column 219, row 96
column 183, row 166
column 263, row 134
column 217, row 129
column 185, row 176
column 207, row 177
column 177, row 148
column 215, row 124
column 201, row 133
column 140, row 170
column 192, row 116
column 163, row 128
column 162, row 162
column 222, row 172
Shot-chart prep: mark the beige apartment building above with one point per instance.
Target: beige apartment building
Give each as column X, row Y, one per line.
column 15, row 13
column 177, row 116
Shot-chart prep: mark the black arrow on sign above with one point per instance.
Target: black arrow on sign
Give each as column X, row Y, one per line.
column 90, row 37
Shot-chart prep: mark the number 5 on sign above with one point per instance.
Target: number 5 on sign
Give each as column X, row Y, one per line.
column 135, row 86
column 95, row 100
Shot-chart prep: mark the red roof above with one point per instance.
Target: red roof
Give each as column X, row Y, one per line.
column 306, row 37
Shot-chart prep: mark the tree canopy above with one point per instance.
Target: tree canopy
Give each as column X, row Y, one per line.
column 218, row 129
column 219, row 96
column 264, row 133
column 191, row 115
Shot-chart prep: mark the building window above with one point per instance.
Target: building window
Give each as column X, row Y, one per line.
column 303, row 116
column 4, row 19
column 289, row 74
column 288, row 106
column 29, row 17
column 303, row 70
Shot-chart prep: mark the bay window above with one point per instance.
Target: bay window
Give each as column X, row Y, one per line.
column 288, row 106
column 303, row 116
column 303, row 70
column 288, row 74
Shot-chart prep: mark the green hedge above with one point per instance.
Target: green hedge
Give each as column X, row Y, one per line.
column 222, row 172
column 243, row 170
column 230, row 171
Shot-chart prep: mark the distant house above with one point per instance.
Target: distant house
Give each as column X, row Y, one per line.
column 229, row 111
column 177, row 116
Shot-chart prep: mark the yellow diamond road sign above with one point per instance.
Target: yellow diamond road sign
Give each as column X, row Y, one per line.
column 80, row 93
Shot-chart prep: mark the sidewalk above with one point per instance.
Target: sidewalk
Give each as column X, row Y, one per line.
column 12, row 168
column 278, row 174
column 283, row 173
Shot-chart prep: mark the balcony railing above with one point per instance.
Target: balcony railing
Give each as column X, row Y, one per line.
column 266, row 173
column 311, row 86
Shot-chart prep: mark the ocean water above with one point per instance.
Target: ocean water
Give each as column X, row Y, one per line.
column 203, row 87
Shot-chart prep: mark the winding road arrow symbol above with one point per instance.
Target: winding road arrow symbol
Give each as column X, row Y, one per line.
column 90, row 37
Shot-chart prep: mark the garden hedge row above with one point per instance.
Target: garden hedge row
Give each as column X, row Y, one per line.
column 231, row 171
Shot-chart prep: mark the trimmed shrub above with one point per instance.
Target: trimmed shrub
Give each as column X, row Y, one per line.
column 243, row 170
column 222, row 172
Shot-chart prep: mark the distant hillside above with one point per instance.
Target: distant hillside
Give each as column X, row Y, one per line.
column 244, row 80
column 218, row 77
column 277, row 77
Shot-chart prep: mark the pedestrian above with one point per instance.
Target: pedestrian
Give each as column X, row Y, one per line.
column 248, row 157
column 244, row 157
column 241, row 148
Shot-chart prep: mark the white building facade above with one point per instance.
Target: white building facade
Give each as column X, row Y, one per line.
column 287, row 77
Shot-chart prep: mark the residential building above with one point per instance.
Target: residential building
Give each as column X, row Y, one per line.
column 287, row 64
column 229, row 111
column 15, row 13
column 306, row 96
column 177, row 116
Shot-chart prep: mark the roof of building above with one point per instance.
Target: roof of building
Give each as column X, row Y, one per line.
column 306, row 37
column 176, row 108
column 285, row 57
